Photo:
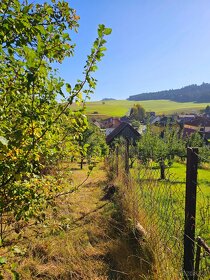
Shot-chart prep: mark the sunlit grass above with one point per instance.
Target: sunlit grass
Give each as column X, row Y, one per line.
column 162, row 203
column 82, row 236
column 120, row 108
column 175, row 187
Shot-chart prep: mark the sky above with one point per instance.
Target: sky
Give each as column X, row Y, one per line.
column 154, row 45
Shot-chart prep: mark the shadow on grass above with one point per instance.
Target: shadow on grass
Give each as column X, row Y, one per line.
column 75, row 222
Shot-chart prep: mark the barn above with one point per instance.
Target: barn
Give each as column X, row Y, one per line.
column 124, row 130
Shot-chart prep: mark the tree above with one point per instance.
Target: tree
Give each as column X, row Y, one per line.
column 197, row 140
column 207, row 109
column 91, row 145
column 162, row 148
column 32, row 38
column 137, row 112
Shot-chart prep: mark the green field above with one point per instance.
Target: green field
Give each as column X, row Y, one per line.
column 120, row 108
column 161, row 205
column 170, row 195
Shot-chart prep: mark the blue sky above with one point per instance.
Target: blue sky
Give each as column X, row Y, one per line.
column 154, row 45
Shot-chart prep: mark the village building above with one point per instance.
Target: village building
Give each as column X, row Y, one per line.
column 200, row 124
column 124, row 130
column 183, row 118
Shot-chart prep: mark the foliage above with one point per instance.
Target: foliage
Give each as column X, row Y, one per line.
column 135, row 123
column 90, row 145
column 137, row 112
column 34, row 126
column 207, row 109
column 194, row 140
column 164, row 147
column 197, row 140
column 159, row 149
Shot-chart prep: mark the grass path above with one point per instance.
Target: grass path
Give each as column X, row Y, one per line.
column 83, row 236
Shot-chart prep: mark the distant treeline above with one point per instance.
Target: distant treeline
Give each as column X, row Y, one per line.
column 191, row 93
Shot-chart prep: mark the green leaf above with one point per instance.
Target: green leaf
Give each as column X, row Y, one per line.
column 102, row 49
column 68, row 87
column 107, row 31
column 3, row 260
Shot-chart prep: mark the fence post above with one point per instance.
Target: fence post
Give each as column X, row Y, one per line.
column 127, row 157
column 197, row 259
column 190, row 212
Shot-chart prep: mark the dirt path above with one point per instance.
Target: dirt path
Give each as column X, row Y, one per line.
column 83, row 237
column 110, row 252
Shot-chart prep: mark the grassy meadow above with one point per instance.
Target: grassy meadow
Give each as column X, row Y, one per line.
column 160, row 205
column 170, row 194
column 118, row 108
column 178, row 173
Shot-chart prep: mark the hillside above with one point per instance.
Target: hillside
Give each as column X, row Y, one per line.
column 191, row 93
column 119, row 108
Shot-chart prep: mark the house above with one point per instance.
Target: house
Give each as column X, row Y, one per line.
column 96, row 123
column 200, row 123
column 124, row 130
column 167, row 120
column 125, row 119
column 185, row 118
column 109, row 130
column 150, row 114
column 110, row 123
column 154, row 120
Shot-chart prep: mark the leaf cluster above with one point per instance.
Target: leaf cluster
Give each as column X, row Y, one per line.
column 36, row 131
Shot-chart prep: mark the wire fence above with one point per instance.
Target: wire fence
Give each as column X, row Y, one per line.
column 161, row 209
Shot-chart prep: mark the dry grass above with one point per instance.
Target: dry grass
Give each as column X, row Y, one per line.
column 83, row 236
column 153, row 257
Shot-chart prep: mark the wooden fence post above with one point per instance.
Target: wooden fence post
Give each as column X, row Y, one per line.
column 190, row 212
column 206, row 248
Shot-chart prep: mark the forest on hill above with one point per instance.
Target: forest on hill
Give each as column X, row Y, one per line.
column 191, row 93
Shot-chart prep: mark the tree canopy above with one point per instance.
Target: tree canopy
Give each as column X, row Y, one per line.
column 35, row 128
column 137, row 112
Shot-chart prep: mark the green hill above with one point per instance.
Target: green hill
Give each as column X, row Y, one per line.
column 191, row 93
column 120, row 108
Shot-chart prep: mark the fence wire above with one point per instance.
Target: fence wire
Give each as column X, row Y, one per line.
column 161, row 211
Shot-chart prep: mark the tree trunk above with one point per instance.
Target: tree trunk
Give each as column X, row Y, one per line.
column 162, row 170
column 81, row 163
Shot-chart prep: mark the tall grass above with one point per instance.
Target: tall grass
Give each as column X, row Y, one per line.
column 159, row 206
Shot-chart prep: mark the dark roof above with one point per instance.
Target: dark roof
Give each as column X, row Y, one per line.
column 188, row 131
column 116, row 132
column 199, row 121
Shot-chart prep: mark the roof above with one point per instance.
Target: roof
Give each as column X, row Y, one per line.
column 188, row 131
column 199, row 121
column 118, row 130
column 186, row 116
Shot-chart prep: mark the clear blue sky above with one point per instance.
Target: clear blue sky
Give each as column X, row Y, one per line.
column 154, row 45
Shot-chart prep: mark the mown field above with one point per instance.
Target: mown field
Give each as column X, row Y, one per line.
column 161, row 206
column 119, row 108
column 170, row 194
column 178, row 172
